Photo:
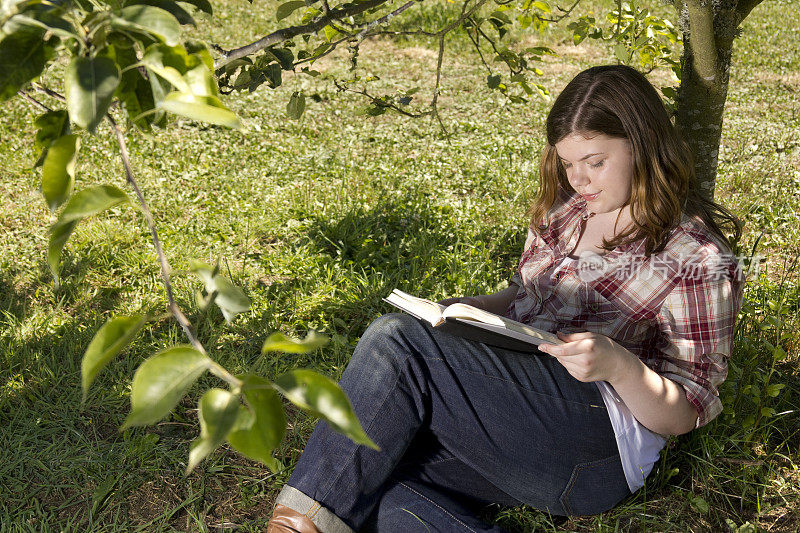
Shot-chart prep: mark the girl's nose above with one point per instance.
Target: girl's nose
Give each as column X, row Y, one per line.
column 578, row 176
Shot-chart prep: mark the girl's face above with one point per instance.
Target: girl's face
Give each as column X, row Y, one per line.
column 599, row 168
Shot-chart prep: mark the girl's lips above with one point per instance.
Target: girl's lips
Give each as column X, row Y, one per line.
column 590, row 197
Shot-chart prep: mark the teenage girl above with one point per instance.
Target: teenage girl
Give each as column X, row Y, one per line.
column 627, row 264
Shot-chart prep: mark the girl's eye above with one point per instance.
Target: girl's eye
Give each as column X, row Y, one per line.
column 598, row 164
column 566, row 165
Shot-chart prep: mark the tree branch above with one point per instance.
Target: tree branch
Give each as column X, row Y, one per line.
column 48, row 92
column 386, row 18
column 564, row 13
column 162, row 260
column 35, row 102
column 744, row 7
column 701, row 37
column 377, row 101
column 478, row 49
column 461, row 18
column 323, row 54
column 434, row 101
column 285, row 34
column 478, row 30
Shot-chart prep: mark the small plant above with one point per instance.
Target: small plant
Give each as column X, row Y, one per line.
column 754, row 383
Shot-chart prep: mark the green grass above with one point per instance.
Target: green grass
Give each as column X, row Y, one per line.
column 319, row 219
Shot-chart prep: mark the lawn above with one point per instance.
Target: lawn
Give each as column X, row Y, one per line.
column 317, row 220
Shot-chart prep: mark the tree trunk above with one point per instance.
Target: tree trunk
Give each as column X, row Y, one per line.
column 708, row 32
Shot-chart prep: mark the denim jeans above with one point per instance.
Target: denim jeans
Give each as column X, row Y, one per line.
column 460, row 425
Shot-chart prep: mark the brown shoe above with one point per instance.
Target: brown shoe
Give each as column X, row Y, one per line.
column 287, row 520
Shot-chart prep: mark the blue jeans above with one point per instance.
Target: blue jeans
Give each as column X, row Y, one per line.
column 460, row 425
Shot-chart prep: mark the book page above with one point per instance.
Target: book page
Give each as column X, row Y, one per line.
column 468, row 312
column 519, row 327
column 419, row 307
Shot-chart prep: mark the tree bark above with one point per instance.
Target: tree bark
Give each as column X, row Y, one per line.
column 709, row 29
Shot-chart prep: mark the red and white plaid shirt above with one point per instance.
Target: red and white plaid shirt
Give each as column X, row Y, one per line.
column 675, row 309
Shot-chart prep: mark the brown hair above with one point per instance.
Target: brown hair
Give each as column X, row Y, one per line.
column 618, row 101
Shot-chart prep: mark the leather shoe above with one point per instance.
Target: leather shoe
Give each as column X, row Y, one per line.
column 287, row 520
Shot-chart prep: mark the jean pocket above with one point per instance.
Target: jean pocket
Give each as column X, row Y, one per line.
column 595, row 487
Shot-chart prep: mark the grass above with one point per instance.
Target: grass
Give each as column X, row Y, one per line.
column 318, row 220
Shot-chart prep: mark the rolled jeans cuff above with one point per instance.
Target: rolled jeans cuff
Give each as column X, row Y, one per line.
column 325, row 520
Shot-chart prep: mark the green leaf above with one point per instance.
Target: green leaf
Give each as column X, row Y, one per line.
column 59, row 235
column 230, row 298
column 274, row 76
column 134, row 90
column 202, row 5
column 700, row 504
column 540, row 50
column 281, row 343
column 775, row 389
column 621, row 52
column 173, row 8
column 330, row 33
column 767, row 412
column 102, row 492
column 109, row 341
column 779, row 354
column 23, row 56
column 149, row 20
column 296, row 105
column 201, row 81
column 543, row 91
column 259, row 429
column 58, row 171
column 542, row 6
column 48, row 21
column 205, row 272
column 161, row 381
column 284, row 10
column 51, row 125
column 284, row 56
column 201, row 108
column 85, row 203
column 91, row 201
column 493, row 81
column 187, row 72
column 218, row 412
column 90, row 85
column 322, row 397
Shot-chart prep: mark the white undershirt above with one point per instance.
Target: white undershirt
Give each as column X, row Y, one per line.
column 639, row 448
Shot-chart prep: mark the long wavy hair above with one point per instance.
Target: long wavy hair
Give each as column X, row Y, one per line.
column 618, row 101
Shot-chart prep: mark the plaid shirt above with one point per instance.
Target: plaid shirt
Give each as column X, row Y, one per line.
column 675, row 310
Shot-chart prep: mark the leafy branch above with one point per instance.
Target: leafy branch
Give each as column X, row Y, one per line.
column 132, row 61
column 284, row 34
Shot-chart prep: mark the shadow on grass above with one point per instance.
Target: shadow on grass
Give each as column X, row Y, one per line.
column 12, row 301
column 408, row 243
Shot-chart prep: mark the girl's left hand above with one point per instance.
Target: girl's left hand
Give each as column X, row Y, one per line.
column 589, row 356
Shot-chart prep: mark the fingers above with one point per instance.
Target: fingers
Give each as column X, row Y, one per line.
column 574, row 347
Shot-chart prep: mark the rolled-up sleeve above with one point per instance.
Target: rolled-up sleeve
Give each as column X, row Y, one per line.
column 696, row 323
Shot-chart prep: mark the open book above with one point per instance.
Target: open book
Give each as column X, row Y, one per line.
column 473, row 323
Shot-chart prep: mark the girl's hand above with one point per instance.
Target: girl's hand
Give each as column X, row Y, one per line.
column 589, row 356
